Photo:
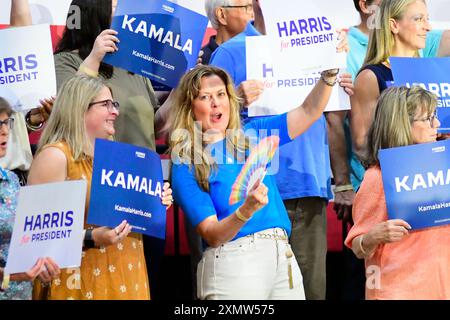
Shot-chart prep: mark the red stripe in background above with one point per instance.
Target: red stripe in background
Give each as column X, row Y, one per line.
column 209, row 32
column 334, row 230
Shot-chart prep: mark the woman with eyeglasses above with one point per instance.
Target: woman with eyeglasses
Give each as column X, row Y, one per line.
column 399, row 264
column 15, row 286
column 402, row 32
column 113, row 263
column 81, row 51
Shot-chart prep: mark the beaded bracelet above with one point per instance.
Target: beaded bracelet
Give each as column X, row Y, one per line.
column 240, row 216
column 342, row 188
column 29, row 125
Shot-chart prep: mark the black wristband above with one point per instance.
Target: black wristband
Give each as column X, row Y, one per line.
column 88, row 240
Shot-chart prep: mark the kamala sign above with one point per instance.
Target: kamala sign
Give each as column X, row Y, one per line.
column 159, row 39
column 127, row 184
column 416, row 182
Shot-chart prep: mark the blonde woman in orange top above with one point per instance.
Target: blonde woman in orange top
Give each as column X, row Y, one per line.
column 399, row 264
column 113, row 267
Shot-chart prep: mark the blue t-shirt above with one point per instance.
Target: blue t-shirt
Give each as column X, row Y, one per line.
column 359, row 43
column 198, row 204
column 230, row 55
column 304, row 169
column 305, row 165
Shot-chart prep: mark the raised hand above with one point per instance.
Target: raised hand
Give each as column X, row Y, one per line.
column 250, row 90
column 256, row 199
column 104, row 236
column 167, row 198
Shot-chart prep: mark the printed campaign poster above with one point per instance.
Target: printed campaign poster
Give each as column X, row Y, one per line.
column 27, row 69
column 282, row 92
column 159, row 39
column 416, row 182
column 49, row 223
column 127, row 184
column 302, row 36
column 432, row 74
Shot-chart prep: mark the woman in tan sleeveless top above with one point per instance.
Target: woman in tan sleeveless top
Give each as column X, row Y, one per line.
column 115, row 269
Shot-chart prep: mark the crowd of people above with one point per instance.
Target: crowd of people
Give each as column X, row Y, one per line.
column 272, row 245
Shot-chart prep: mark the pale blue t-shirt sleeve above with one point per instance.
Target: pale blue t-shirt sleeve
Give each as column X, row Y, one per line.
column 278, row 123
column 196, row 203
column 432, row 44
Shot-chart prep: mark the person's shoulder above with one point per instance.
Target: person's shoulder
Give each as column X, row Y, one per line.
column 181, row 169
column 373, row 176
column 49, row 165
column 67, row 57
column 366, row 74
column 222, row 55
column 54, row 153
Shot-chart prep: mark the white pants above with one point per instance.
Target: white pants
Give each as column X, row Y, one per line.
column 254, row 267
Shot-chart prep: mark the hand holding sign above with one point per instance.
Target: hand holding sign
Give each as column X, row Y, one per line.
column 346, row 82
column 166, row 197
column 50, row 270
column 384, row 232
column 29, row 275
column 45, row 268
column 39, row 115
column 250, row 91
column 104, row 236
column 106, row 42
column 343, row 45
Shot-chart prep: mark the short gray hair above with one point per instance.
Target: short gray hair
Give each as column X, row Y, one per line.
column 210, row 7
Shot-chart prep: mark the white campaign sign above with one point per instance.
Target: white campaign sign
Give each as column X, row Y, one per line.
column 302, row 36
column 49, row 223
column 27, row 69
column 282, row 92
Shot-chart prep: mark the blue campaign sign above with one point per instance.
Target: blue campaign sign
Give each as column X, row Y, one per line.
column 127, row 183
column 416, row 182
column 159, row 39
column 432, row 74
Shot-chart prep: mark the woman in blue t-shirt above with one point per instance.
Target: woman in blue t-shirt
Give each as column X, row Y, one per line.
column 248, row 254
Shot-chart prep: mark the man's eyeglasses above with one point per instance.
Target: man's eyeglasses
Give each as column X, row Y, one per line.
column 248, row 7
column 430, row 119
column 108, row 104
column 8, row 123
